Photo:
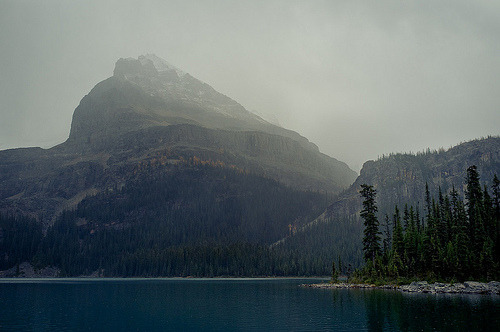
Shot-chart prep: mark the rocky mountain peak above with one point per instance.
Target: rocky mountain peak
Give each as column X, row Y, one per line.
column 148, row 65
column 160, row 64
column 130, row 67
column 149, row 92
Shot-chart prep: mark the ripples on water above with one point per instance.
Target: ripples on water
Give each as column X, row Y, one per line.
column 232, row 304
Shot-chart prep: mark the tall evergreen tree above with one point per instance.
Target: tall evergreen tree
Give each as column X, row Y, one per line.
column 488, row 214
column 460, row 240
column 335, row 273
column 396, row 266
column 460, row 237
column 496, row 196
column 397, row 234
column 411, row 241
column 371, row 239
column 496, row 213
column 406, row 217
column 340, row 266
column 427, row 203
column 475, row 212
column 387, row 238
column 417, row 218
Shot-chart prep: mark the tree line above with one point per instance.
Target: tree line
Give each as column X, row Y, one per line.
column 196, row 221
column 455, row 240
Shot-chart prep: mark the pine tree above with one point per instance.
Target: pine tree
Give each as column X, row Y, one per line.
column 496, row 196
column 459, row 240
column 460, row 237
column 411, row 241
column 447, row 220
column 406, row 217
column 486, row 259
column 433, row 248
column 427, row 203
column 488, row 214
column 417, row 218
column 496, row 213
column 340, row 266
column 397, row 234
column 475, row 212
column 387, row 239
column 371, row 239
column 335, row 274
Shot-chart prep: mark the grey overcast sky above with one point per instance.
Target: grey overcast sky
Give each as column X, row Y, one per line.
column 358, row 78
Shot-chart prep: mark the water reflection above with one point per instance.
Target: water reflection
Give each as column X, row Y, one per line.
column 256, row 305
column 393, row 310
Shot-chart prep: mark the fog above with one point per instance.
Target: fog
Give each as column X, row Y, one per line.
column 358, row 78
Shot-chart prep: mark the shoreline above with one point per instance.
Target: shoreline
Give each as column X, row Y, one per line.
column 26, row 270
column 156, row 278
column 467, row 287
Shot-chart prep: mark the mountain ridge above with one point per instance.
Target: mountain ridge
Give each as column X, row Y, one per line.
column 406, row 174
column 399, row 179
column 147, row 107
column 148, row 97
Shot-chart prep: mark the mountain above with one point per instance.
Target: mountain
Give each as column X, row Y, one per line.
column 163, row 176
column 150, row 111
column 148, row 92
column 399, row 179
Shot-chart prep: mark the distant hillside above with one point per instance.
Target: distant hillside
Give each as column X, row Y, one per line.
column 399, row 179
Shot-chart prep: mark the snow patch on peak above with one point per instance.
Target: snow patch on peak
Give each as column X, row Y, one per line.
column 160, row 64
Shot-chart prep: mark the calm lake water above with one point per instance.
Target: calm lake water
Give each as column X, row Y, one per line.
column 231, row 304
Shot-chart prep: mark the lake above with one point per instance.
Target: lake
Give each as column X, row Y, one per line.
column 232, row 304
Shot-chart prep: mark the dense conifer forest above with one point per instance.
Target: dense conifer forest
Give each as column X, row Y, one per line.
column 213, row 220
column 203, row 220
column 454, row 240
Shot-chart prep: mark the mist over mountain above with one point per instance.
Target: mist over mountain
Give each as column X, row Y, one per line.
column 147, row 92
column 163, row 175
column 147, row 111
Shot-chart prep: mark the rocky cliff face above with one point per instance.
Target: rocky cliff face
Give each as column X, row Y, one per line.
column 401, row 178
column 398, row 179
column 149, row 111
column 148, row 92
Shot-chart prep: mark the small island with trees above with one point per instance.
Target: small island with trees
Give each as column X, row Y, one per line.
column 454, row 242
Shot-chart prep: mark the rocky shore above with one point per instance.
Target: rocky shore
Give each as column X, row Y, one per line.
column 26, row 270
column 468, row 287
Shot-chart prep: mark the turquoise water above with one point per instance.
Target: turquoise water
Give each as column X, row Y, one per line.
column 233, row 305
